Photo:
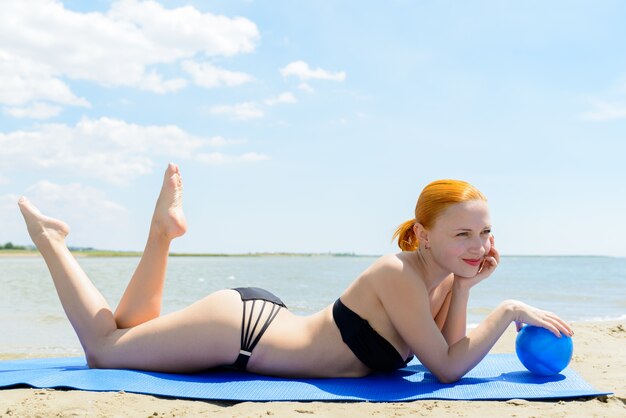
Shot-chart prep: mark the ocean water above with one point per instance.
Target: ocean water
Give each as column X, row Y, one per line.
column 32, row 321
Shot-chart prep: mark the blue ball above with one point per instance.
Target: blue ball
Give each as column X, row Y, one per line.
column 542, row 352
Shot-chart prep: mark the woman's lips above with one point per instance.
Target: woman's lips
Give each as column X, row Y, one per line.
column 474, row 262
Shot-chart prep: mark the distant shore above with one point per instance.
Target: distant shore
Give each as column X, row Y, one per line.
column 79, row 252
column 111, row 253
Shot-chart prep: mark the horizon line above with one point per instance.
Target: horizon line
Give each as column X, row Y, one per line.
column 25, row 250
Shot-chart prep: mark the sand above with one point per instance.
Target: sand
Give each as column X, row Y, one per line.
column 599, row 356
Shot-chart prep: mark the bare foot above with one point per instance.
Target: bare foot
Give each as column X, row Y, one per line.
column 42, row 228
column 168, row 219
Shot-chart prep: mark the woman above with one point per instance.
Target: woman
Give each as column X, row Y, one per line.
column 413, row 302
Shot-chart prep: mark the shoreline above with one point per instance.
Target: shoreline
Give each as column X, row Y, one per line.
column 136, row 254
column 115, row 253
column 598, row 358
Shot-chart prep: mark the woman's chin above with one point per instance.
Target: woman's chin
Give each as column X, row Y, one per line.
column 466, row 273
column 463, row 275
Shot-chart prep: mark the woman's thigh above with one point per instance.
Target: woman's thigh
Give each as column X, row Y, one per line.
column 203, row 335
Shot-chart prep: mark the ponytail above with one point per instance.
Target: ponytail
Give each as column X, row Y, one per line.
column 407, row 241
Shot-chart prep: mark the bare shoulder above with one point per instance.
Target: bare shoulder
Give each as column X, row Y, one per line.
column 388, row 263
column 397, row 270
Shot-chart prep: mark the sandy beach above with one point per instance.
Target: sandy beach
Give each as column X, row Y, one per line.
column 598, row 356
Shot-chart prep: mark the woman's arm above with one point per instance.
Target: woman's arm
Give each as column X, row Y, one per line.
column 455, row 325
column 406, row 302
column 454, row 312
column 468, row 352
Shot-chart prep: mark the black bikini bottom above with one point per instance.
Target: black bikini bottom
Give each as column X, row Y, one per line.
column 248, row 338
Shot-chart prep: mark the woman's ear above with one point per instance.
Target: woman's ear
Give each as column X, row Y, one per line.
column 421, row 233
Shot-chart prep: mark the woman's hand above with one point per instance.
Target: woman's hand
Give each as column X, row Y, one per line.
column 526, row 314
column 489, row 264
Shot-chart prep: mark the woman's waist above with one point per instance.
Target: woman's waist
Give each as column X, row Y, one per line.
column 305, row 345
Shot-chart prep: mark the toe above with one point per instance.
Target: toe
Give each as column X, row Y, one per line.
column 172, row 168
column 24, row 204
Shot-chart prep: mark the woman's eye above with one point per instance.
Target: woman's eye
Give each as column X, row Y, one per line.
column 487, row 231
column 462, row 234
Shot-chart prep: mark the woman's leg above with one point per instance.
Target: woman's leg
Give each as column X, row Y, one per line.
column 84, row 305
column 142, row 299
column 201, row 336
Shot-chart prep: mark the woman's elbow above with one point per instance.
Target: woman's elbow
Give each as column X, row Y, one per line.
column 447, row 376
column 448, row 379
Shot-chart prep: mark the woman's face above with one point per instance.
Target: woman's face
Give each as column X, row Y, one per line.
column 459, row 239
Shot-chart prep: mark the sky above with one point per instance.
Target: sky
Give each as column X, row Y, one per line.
column 313, row 126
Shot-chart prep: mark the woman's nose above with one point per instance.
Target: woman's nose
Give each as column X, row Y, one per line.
column 479, row 246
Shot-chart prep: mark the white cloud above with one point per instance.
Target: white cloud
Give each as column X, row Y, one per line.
column 604, row 110
column 219, row 141
column 82, row 196
column 207, row 75
column 185, row 30
column 217, row 158
column 251, row 110
column 36, row 111
column 23, row 80
column 301, row 70
column 86, row 209
column 89, row 213
column 153, row 81
column 42, row 44
column 611, row 106
column 306, row 87
column 282, row 98
column 251, row 157
column 239, row 111
column 108, row 149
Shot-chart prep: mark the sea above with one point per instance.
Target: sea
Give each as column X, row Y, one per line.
column 32, row 321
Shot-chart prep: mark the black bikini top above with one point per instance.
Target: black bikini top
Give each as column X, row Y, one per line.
column 367, row 345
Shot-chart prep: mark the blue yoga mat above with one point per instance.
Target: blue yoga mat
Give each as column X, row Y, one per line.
column 497, row 377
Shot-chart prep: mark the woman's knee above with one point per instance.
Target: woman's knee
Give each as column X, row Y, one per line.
column 93, row 361
column 100, row 354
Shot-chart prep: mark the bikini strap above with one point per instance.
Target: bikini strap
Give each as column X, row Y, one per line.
column 247, row 335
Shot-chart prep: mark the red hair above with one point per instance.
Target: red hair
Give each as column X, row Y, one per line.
column 434, row 199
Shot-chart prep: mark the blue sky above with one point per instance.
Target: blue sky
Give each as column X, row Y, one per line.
column 312, row 126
